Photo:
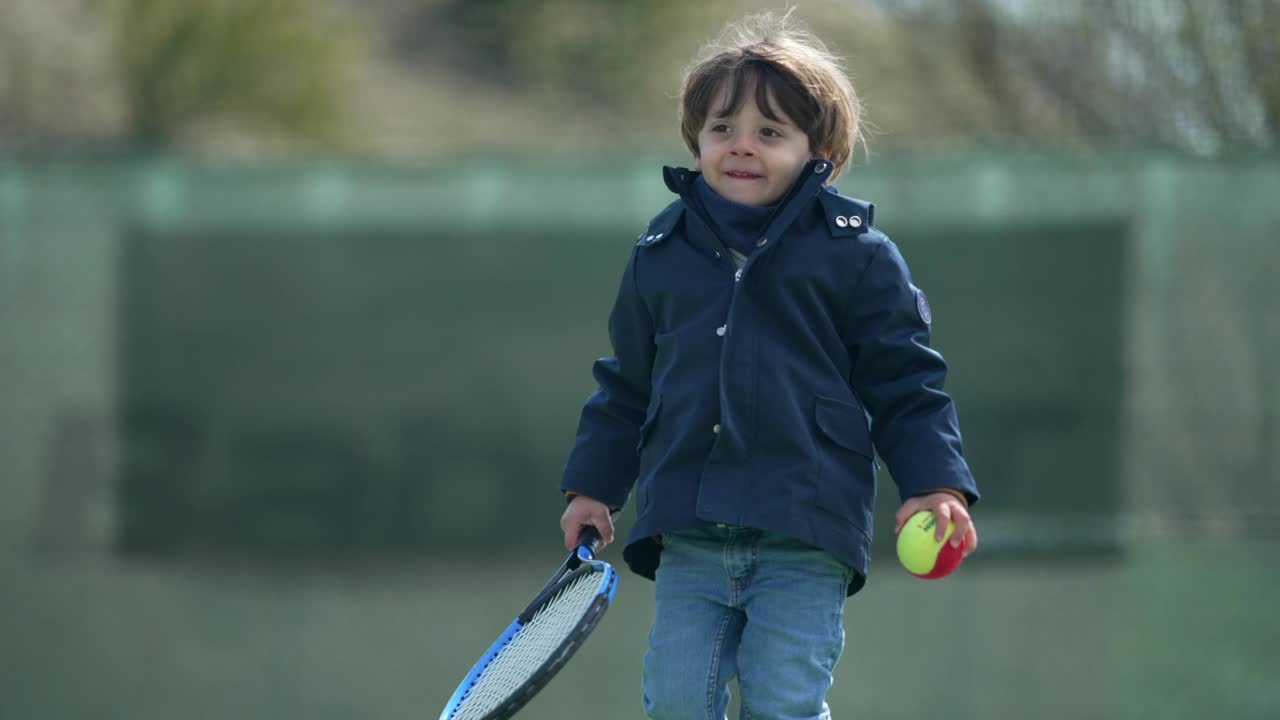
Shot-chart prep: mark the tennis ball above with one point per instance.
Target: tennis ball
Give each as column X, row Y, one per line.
column 921, row 553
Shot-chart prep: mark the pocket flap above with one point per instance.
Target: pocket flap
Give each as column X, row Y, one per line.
column 845, row 423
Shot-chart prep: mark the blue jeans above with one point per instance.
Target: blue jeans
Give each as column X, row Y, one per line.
column 737, row 601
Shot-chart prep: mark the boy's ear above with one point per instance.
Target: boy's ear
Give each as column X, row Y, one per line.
column 697, row 162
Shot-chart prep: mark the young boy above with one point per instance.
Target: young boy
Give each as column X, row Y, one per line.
column 765, row 338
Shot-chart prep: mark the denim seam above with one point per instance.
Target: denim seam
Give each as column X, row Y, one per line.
column 715, row 665
column 846, row 576
column 726, row 559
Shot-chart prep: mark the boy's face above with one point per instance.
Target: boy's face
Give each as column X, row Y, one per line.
column 748, row 158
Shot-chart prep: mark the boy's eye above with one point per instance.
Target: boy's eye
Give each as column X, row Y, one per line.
column 719, row 127
column 770, row 132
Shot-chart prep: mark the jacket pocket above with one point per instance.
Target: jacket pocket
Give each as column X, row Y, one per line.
column 845, row 424
column 646, row 428
column 844, row 472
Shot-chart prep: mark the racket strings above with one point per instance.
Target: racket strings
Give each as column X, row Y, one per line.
column 530, row 648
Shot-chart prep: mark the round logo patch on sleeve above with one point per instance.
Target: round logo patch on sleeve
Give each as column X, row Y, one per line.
column 922, row 307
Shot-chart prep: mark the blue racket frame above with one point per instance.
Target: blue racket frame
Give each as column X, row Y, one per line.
column 581, row 560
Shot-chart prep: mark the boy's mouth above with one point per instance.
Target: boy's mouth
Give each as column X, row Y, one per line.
column 742, row 175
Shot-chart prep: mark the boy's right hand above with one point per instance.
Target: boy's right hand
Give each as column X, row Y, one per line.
column 584, row 511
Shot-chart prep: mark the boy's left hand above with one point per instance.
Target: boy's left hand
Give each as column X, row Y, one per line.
column 948, row 509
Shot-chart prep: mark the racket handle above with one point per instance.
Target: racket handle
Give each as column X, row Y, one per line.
column 589, row 537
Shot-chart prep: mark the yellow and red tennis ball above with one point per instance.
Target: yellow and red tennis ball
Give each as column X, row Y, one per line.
column 921, row 553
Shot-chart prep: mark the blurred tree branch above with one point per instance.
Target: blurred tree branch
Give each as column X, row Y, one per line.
column 273, row 64
column 586, row 48
column 1196, row 75
column 53, row 87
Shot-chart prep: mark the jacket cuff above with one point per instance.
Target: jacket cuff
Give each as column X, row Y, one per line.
column 950, row 491
column 569, row 495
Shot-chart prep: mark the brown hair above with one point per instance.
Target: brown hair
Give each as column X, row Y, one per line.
column 789, row 66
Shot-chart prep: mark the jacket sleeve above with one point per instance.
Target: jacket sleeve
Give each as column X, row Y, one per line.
column 900, row 380
column 604, row 461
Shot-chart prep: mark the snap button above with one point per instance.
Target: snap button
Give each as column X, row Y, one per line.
column 720, row 330
column 761, row 242
column 737, row 275
column 841, row 221
column 658, row 236
column 717, row 254
column 716, row 428
column 821, row 168
column 855, row 221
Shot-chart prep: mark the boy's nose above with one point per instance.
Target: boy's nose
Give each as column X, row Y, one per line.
column 742, row 146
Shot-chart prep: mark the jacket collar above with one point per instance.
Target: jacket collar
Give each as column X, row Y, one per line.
column 816, row 171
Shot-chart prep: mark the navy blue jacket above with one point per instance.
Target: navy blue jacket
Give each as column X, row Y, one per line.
column 754, row 397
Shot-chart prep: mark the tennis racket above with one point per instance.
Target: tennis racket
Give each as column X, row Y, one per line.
column 541, row 640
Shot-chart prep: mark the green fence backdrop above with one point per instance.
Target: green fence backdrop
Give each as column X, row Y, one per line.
column 267, row 433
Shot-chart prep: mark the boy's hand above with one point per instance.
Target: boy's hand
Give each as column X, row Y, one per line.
column 948, row 509
column 584, row 511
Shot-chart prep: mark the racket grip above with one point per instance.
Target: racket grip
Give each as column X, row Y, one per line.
column 589, row 537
